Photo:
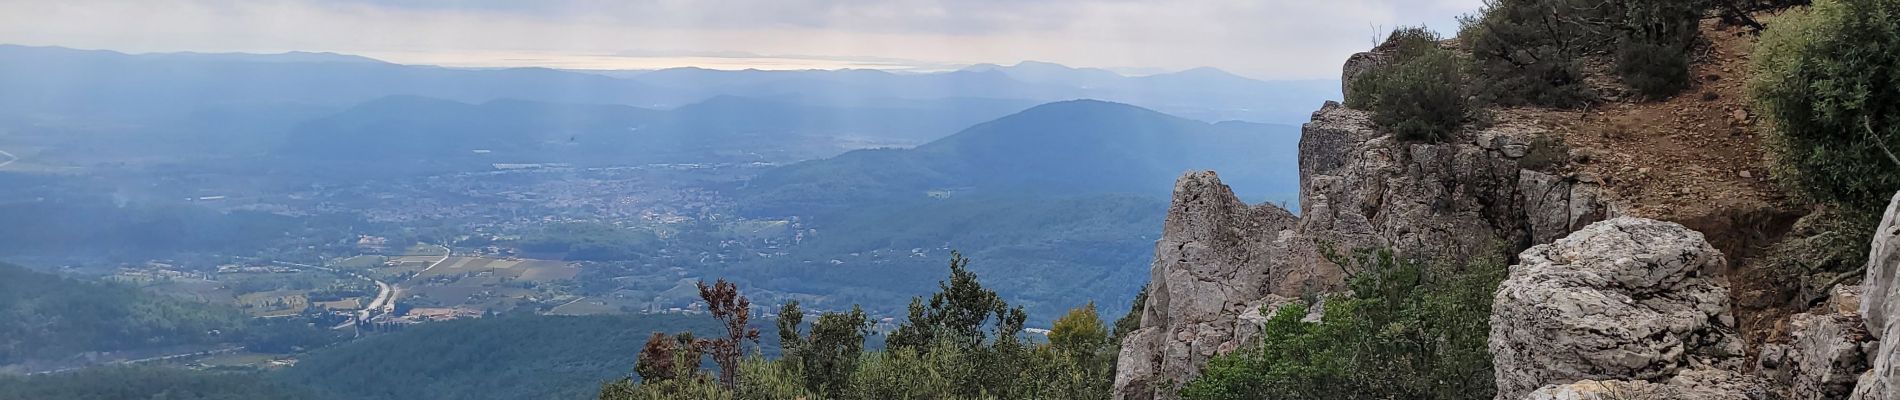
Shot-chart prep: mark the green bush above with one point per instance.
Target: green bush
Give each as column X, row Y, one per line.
column 1652, row 48
column 1547, row 153
column 1131, row 321
column 1655, row 70
column 1410, row 330
column 1828, row 80
column 1419, row 93
column 1823, row 248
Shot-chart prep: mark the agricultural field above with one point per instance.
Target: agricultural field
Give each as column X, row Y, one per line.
column 358, row 263
column 199, row 290
column 482, row 283
column 275, row 303
column 587, row 306
column 353, row 303
column 258, row 291
column 538, row 271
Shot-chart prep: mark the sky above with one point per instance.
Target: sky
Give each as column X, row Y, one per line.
column 1266, row 39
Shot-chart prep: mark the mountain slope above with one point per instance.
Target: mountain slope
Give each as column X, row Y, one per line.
column 1072, row 147
column 44, row 316
column 520, row 357
column 60, row 80
column 400, row 133
column 154, row 383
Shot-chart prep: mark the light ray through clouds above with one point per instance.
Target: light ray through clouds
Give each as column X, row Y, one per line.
column 1276, row 39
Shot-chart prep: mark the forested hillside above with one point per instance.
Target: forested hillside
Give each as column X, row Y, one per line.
column 1048, row 252
column 153, row 383
column 510, row 357
column 44, row 316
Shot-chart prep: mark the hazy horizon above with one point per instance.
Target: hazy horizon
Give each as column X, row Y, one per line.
column 718, row 62
column 1124, row 36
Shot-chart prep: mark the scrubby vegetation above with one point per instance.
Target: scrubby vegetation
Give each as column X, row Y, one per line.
column 1547, row 153
column 1534, row 52
column 1419, row 92
column 1527, row 53
column 963, row 341
column 1828, row 80
column 1409, row 330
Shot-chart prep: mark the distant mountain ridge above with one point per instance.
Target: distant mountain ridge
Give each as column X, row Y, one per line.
column 63, row 81
column 1071, row 147
column 400, row 133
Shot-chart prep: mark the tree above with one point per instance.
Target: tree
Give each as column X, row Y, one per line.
column 827, row 357
column 790, row 317
column 957, row 312
column 1079, row 331
column 1080, row 358
column 735, row 312
column 667, row 357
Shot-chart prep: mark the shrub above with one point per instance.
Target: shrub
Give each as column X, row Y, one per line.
column 1410, row 330
column 1418, row 93
column 1822, row 248
column 1547, row 153
column 1828, row 80
column 1655, row 70
column 1652, row 48
column 826, row 357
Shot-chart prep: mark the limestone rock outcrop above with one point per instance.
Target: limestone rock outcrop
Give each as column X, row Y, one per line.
column 1823, row 357
column 1219, row 261
column 1213, row 269
column 1626, row 299
column 1878, row 306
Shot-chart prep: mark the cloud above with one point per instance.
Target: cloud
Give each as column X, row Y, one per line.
column 1261, row 38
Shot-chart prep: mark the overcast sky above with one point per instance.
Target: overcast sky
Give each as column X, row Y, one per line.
column 1269, row 39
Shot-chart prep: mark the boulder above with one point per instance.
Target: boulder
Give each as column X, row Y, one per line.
column 1883, row 271
column 1877, row 308
column 1822, row 358
column 1624, row 299
column 1555, row 206
column 1689, row 385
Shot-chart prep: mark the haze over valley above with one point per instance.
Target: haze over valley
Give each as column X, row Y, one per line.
column 354, row 196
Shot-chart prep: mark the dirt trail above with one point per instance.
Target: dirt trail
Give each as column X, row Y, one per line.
column 1699, row 159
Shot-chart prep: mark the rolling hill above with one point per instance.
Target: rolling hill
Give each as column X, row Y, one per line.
column 400, row 133
column 48, row 317
column 1057, row 204
column 1071, row 147
column 515, row 357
